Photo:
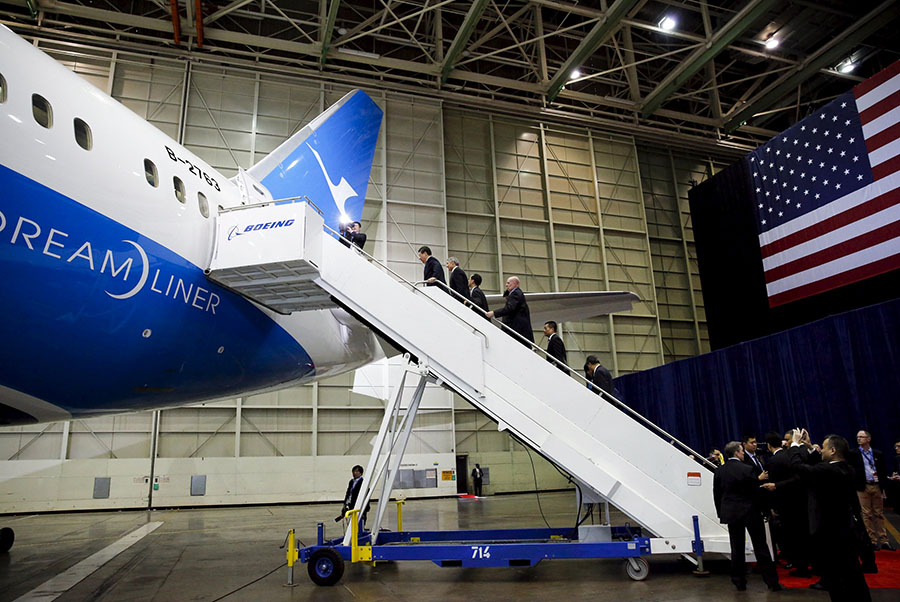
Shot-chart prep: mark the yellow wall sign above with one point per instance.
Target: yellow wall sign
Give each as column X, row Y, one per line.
column 447, row 475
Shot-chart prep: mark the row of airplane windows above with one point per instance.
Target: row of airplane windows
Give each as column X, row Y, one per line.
column 42, row 112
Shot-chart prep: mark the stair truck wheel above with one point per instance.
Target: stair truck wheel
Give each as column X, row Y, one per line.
column 7, row 537
column 325, row 567
column 637, row 568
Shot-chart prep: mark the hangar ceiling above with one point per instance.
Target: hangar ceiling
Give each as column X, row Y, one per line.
column 708, row 81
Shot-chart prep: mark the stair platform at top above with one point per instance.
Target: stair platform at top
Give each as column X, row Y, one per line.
column 270, row 253
column 604, row 445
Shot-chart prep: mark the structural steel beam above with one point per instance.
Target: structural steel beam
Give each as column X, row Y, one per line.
column 462, row 37
column 716, row 44
column 830, row 54
column 328, row 29
column 600, row 33
column 226, row 10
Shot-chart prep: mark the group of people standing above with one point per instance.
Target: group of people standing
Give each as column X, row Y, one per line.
column 823, row 503
column 515, row 314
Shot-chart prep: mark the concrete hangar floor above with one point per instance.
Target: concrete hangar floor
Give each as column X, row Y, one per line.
column 205, row 554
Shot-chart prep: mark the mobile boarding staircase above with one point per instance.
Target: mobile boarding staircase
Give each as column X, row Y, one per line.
column 607, row 448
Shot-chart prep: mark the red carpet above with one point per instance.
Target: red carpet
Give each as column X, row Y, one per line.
column 888, row 576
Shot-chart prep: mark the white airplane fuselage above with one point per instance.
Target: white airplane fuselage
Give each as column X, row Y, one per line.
column 105, row 305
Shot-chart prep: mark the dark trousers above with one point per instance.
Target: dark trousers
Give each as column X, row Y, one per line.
column 477, row 484
column 843, row 575
column 754, row 526
column 794, row 536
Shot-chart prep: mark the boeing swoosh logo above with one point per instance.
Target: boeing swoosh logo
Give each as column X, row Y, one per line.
column 339, row 192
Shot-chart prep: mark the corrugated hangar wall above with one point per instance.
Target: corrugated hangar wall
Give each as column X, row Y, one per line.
column 563, row 209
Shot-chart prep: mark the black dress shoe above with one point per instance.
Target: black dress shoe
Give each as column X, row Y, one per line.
column 801, row 573
column 888, row 546
column 871, row 570
column 789, row 566
column 775, row 588
column 819, row 585
column 741, row 587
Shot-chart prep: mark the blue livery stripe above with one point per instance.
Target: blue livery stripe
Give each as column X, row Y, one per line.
column 97, row 318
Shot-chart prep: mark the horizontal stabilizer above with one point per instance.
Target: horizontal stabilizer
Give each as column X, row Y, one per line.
column 329, row 160
column 572, row 307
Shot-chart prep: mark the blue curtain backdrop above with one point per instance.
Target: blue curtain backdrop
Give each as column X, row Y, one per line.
column 837, row 375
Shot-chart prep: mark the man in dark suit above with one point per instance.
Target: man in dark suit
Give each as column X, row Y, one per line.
column 459, row 282
column 434, row 273
column 752, row 458
column 555, row 346
column 352, row 236
column 832, row 507
column 736, row 494
column 353, row 489
column 515, row 313
column 871, row 475
column 475, row 292
column 789, row 502
column 598, row 375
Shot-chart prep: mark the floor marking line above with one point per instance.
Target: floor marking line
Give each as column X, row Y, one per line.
column 65, row 581
column 891, row 529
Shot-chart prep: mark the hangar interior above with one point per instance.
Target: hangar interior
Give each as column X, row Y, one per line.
column 493, row 149
column 564, row 208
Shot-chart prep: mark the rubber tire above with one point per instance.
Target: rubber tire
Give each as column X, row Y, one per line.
column 637, row 574
column 7, row 537
column 325, row 567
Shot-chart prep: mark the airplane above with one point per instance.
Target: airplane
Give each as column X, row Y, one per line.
column 107, row 226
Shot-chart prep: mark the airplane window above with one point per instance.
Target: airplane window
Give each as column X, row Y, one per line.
column 2, row 89
column 179, row 189
column 150, row 173
column 42, row 111
column 83, row 134
column 204, row 204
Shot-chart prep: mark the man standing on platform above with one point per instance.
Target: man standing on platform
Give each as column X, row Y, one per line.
column 477, row 477
column 458, row 280
column 475, row 292
column 790, row 500
column 736, row 492
column 751, row 457
column 555, row 346
column 515, row 313
column 832, row 506
column 871, row 475
column 433, row 271
column 598, row 375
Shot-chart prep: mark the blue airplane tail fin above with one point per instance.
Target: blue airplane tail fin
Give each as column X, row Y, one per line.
column 329, row 160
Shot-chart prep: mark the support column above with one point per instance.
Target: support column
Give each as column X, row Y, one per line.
column 496, row 201
column 687, row 261
column 549, row 204
column 596, row 186
column 637, row 167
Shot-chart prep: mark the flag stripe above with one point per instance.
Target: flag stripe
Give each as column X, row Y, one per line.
column 877, row 94
column 876, row 80
column 886, row 136
column 881, row 107
column 836, row 236
column 871, row 193
column 885, row 153
column 875, row 268
column 886, row 168
column 881, row 123
column 863, row 241
column 835, row 266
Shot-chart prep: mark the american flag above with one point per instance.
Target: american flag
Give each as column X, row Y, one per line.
column 827, row 193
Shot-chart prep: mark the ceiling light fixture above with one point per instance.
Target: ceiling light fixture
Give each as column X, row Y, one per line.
column 772, row 43
column 667, row 23
column 576, row 73
column 847, row 66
